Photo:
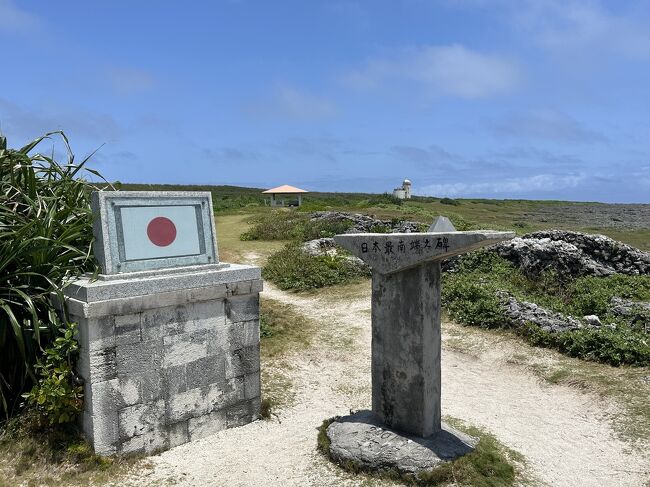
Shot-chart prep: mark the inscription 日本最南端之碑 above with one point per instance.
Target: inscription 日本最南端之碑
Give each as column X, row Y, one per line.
column 414, row 246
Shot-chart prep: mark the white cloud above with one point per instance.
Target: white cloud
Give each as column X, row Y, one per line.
column 523, row 185
column 425, row 157
column 292, row 103
column 14, row 19
column 22, row 122
column 544, row 124
column 574, row 29
column 442, row 70
column 323, row 147
column 130, row 81
column 300, row 104
column 232, row 155
column 536, row 156
column 567, row 26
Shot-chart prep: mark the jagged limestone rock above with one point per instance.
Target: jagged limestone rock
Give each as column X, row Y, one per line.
column 519, row 313
column 592, row 321
column 364, row 223
column 573, row 254
column 636, row 313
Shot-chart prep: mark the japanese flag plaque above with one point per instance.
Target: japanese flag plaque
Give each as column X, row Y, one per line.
column 169, row 337
column 142, row 231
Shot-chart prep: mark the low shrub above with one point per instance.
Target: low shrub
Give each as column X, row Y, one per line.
column 380, row 228
column 57, row 397
column 385, row 199
column 470, row 296
column 449, row 201
column 485, row 262
column 460, row 223
column 473, row 302
column 592, row 295
column 292, row 225
column 225, row 203
column 619, row 346
column 310, row 206
column 292, row 268
column 275, row 225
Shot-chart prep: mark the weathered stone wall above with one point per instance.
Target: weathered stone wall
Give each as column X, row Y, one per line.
column 162, row 370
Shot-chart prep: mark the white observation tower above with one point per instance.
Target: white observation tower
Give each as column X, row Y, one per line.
column 403, row 193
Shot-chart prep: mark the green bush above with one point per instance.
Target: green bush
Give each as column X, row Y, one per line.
column 45, row 240
column 472, row 302
column 275, row 225
column 224, row 203
column 385, row 199
column 449, row 201
column 460, row 223
column 485, row 262
column 470, row 296
column 380, row 228
column 56, row 396
column 291, row 268
column 310, row 206
column 592, row 295
column 292, row 225
column 620, row 346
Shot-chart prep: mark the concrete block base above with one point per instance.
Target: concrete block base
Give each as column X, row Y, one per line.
column 363, row 439
column 165, row 362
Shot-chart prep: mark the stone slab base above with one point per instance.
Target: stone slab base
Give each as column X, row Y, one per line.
column 364, row 440
column 164, row 363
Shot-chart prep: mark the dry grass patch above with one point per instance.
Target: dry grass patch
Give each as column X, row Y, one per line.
column 31, row 455
column 359, row 290
column 283, row 332
column 232, row 249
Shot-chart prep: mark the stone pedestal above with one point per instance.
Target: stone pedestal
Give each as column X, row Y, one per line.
column 167, row 356
column 406, row 349
column 406, row 387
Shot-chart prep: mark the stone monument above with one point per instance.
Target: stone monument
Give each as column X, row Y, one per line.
column 169, row 336
column 404, row 430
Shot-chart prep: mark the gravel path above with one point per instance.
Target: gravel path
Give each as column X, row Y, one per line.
column 563, row 433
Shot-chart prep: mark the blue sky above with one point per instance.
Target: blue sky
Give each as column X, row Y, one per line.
column 467, row 98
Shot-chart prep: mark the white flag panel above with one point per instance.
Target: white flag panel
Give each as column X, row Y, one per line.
column 173, row 231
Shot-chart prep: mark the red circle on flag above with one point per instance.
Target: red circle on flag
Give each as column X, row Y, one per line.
column 161, row 231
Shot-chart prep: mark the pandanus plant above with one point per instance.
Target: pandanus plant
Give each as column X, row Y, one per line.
column 45, row 241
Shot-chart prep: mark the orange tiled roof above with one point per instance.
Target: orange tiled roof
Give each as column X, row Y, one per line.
column 285, row 188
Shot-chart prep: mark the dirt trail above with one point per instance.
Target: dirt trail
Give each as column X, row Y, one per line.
column 563, row 433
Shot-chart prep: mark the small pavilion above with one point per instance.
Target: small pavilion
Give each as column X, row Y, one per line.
column 285, row 195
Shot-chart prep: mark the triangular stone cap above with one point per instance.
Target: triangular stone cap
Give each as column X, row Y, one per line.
column 442, row 224
column 392, row 252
